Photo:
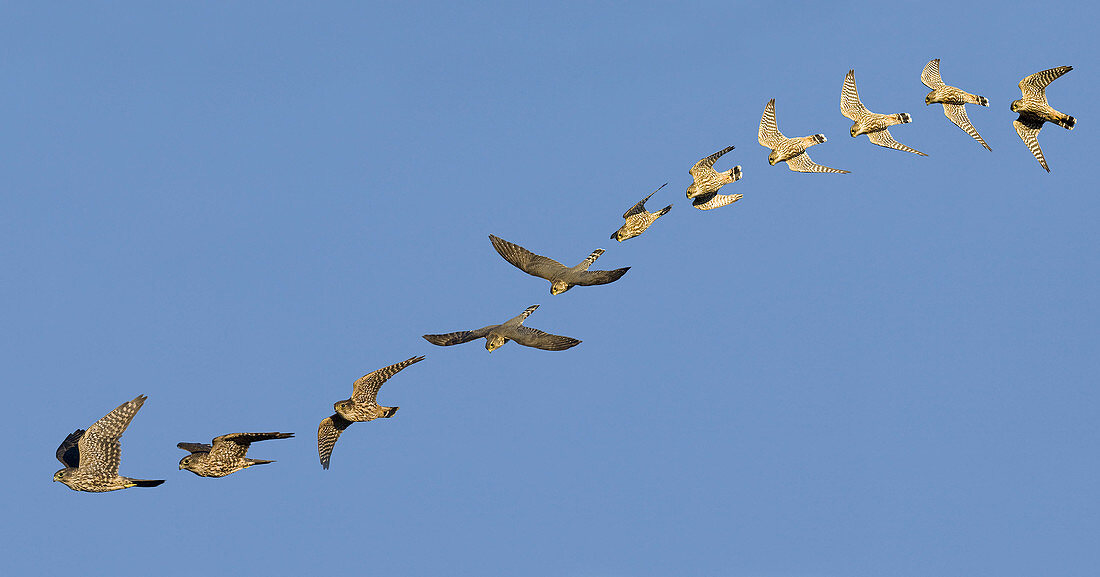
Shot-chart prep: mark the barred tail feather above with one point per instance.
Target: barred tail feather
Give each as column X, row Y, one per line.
column 144, row 482
column 1067, row 122
column 819, row 138
column 663, row 211
column 982, row 101
column 735, row 172
column 903, row 117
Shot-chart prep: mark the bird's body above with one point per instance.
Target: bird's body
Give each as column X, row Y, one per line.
column 869, row 123
column 637, row 219
column 952, row 100
column 360, row 407
column 561, row 277
column 706, row 182
column 91, row 457
column 225, row 455
column 789, row 150
column 1034, row 110
column 511, row 330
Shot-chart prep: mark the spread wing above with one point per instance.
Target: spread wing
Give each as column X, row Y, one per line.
column 769, row 134
column 640, row 207
column 235, row 445
column 957, row 114
column 457, row 338
column 1034, row 86
column 327, row 433
column 100, row 449
column 68, row 452
column 595, row 277
column 1029, row 133
column 802, row 163
column 195, row 447
column 931, row 75
column 530, row 337
column 525, row 260
column 366, row 388
column 707, row 163
column 883, row 138
column 713, row 201
column 850, row 105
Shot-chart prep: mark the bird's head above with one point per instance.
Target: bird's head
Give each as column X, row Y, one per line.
column 1016, row 105
column 185, row 463
column 61, row 475
column 772, row 158
column 854, row 131
column 558, row 287
column 341, row 406
column 615, row 236
column 928, row 99
column 494, row 342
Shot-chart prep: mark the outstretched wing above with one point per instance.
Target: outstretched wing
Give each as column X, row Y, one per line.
column 530, row 337
column 456, row 338
column 883, row 138
column 769, row 134
column 235, row 445
column 327, row 434
column 1034, row 86
column 595, row 277
column 957, row 114
column 931, row 75
column 525, row 260
column 802, row 163
column 640, row 207
column 707, row 163
column 366, row 388
column 69, row 451
column 1029, row 133
column 850, row 105
column 195, row 447
column 100, row 449
column 713, row 201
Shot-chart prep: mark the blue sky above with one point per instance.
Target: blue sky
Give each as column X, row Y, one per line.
column 239, row 210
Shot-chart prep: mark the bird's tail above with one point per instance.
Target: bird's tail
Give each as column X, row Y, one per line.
column 1066, row 121
column 258, row 462
column 591, row 259
column 818, row 139
column 982, row 101
column 143, row 482
column 735, row 173
column 663, row 211
column 903, row 117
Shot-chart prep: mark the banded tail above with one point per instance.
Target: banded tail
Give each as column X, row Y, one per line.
column 818, row 138
column 903, row 117
column 1066, row 121
column 663, row 211
column 143, row 482
column 591, row 259
column 526, row 313
column 982, row 101
column 735, row 173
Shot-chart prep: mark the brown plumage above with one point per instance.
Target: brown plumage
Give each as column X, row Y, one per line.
column 561, row 277
column 638, row 219
column 869, row 123
column 511, row 330
column 952, row 100
column 789, row 150
column 1034, row 110
column 225, row 455
column 706, row 182
column 91, row 457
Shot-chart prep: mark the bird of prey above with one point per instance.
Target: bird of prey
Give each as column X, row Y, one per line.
column 789, row 150
column 225, row 455
column 360, row 408
column 91, row 457
column 638, row 219
column 1034, row 110
column 561, row 277
column 869, row 123
column 952, row 99
column 510, row 330
column 706, row 181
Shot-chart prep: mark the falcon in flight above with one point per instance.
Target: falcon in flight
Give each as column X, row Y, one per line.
column 638, row 219
column 225, row 454
column 1034, row 110
column 706, row 181
column 91, row 457
column 952, row 99
column 360, row 408
column 869, row 123
column 561, row 277
column 510, row 330
column 789, row 150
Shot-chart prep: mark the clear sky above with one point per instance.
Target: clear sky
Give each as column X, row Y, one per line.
column 238, row 210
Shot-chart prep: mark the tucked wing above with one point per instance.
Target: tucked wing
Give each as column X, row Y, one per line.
column 769, row 134
column 235, row 445
column 707, row 163
column 100, row 449
column 456, row 338
column 195, row 447
column 525, row 260
column 931, row 75
column 69, row 451
column 366, row 388
column 957, row 114
column 530, row 337
column 327, row 434
column 802, row 163
column 595, row 277
column 640, row 207
column 1034, row 86
column 1029, row 133
column 883, row 138
column 713, row 201
column 850, row 105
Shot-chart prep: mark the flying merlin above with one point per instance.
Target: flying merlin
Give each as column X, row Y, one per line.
column 953, row 99
column 869, row 123
column 638, row 219
column 225, row 454
column 91, row 457
column 703, row 190
column 561, row 277
column 1034, row 110
column 789, row 150
column 511, row 330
